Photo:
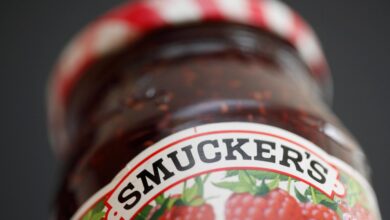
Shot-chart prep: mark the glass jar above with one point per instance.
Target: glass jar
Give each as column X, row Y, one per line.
column 201, row 85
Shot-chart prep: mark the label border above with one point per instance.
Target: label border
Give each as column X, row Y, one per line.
column 108, row 190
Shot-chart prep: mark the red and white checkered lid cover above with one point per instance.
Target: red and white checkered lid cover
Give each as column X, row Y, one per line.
column 131, row 21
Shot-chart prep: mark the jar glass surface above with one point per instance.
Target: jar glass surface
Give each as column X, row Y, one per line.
column 177, row 78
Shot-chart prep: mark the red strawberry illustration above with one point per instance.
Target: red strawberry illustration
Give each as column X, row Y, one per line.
column 201, row 212
column 358, row 212
column 318, row 212
column 352, row 207
column 275, row 205
column 253, row 200
column 190, row 205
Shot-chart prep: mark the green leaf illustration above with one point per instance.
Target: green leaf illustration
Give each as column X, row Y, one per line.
column 302, row 198
column 354, row 193
column 171, row 202
column 231, row 173
column 160, row 211
column 237, row 187
column 197, row 202
column 160, row 199
column 262, row 189
column 99, row 207
column 96, row 213
column 190, row 193
column 98, row 216
column 244, row 177
column 332, row 205
column 318, row 197
column 258, row 174
column 144, row 213
column 274, row 183
column 200, row 186
column 88, row 216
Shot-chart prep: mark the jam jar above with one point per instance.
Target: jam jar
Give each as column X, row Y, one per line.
column 202, row 109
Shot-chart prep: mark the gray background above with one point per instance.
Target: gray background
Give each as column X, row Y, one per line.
column 355, row 35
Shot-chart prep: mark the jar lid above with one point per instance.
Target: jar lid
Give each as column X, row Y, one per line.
column 131, row 21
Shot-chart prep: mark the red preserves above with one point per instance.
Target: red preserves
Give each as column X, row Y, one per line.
column 214, row 97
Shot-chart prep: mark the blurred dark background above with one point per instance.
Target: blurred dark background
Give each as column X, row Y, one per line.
column 355, row 35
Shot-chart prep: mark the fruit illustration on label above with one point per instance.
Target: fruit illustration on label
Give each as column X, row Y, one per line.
column 189, row 188
column 97, row 213
column 247, row 194
column 276, row 204
column 189, row 205
column 318, row 211
column 358, row 212
column 354, row 206
column 254, row 198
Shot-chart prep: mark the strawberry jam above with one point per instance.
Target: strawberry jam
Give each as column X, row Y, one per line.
column 176, row 78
